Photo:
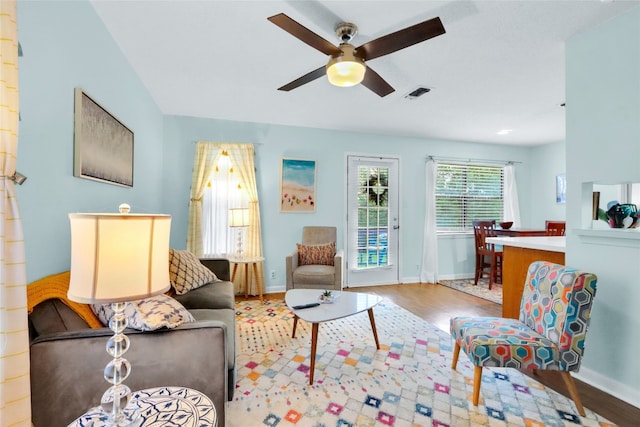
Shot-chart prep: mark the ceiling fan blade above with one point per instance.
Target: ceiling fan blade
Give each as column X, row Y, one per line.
column 401, row 39
column 304, row 34
column 309, row 77
column 375, row 83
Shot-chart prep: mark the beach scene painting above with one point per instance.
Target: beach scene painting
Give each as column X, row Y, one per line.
column 298, row 186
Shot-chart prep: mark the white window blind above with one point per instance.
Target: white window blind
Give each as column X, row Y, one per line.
column 468, row 192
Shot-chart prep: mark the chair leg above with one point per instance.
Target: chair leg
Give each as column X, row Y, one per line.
column 492, row 271
column 477, row 379
column 573, row 391
column 456, row 353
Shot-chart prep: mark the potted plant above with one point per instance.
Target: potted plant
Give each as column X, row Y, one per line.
column 326, row 296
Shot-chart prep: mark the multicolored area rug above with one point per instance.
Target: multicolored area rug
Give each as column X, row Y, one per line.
column 407, row 383
column 481, row 290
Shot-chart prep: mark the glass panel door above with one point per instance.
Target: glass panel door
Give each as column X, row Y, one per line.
column 372, row 246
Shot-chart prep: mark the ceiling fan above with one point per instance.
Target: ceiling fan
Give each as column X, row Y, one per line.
column 346, row 66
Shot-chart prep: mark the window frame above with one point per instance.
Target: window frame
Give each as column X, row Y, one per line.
column 465, row 219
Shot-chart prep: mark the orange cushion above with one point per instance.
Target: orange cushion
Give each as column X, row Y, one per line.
column 56, row 287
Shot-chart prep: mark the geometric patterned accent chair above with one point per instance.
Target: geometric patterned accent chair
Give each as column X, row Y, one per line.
column 549, row 334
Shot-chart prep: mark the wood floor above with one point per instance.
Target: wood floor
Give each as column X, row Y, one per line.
column 437, row 304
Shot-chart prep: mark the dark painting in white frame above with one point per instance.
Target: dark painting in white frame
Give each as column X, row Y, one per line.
column 103, row 145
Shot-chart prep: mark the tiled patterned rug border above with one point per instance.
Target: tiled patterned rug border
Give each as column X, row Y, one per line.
column 407, row 383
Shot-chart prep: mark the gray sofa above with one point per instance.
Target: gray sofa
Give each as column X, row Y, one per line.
column 68, row 357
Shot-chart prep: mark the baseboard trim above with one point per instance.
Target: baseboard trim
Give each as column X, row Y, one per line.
column 456, row 276
column 362, row 285
column 609, row 386
column 275, row 289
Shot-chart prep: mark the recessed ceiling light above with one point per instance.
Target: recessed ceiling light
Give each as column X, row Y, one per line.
column 504, row 131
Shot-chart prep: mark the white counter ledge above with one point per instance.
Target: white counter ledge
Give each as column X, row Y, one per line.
column 551, row 243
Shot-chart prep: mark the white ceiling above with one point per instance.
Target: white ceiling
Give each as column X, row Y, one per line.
column 500, row 64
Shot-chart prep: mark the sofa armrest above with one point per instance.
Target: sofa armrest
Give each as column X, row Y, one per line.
column 338, row 264
column 291, row 263
column 219, row 266
column 66, row 368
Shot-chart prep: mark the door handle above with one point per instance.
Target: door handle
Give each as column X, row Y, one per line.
column 395, row 227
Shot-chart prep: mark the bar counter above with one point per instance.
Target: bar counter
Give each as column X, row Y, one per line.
column 517, row 254
column 519, row 232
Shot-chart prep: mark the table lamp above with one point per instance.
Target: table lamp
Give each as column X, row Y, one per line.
column 117, row 258
column 239, row 218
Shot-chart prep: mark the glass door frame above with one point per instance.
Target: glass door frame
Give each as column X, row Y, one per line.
column 385, row 274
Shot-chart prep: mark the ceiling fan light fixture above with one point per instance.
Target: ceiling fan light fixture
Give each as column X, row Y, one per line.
column 347, row 69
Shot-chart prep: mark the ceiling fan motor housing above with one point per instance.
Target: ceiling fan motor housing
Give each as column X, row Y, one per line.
column 346, row 31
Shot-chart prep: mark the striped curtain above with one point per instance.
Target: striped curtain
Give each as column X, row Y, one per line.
column 429, row 271
column 242, row 156
column 203, row 165
column 15, row 399
column 511, row 204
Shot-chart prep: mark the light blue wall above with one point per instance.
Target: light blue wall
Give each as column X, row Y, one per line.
column 281, row 231
column 66, row 46
column 603, row 146
column 547, row 162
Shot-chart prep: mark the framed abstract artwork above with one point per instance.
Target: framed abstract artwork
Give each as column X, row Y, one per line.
column 297, row 186
column 561, row 188
column 103, row 146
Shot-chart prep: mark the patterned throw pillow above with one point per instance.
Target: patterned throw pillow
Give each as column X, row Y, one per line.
column 187, row 273
column 148, row 314
column 316, row 254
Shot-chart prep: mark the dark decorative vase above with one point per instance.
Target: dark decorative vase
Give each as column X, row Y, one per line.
column 622, row 216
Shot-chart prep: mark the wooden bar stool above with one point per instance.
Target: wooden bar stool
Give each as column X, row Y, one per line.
column 487, row 257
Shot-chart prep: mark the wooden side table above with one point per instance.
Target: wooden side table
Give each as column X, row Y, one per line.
column 254, row 264
column 175, row 406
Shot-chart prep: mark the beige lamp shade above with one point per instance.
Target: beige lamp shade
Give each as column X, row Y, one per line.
column 118, row 257
column 347, row 69
column 239, row 217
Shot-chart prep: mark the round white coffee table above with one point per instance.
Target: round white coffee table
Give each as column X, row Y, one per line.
column 344, row 304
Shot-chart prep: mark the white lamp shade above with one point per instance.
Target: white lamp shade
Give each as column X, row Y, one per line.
column 118, row 257
column 238, row 217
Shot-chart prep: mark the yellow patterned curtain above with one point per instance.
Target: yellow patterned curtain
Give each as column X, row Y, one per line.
column 203, row 166
column 15, row 393
column 242, row 157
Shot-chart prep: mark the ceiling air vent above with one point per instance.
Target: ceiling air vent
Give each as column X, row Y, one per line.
column 417, row 93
